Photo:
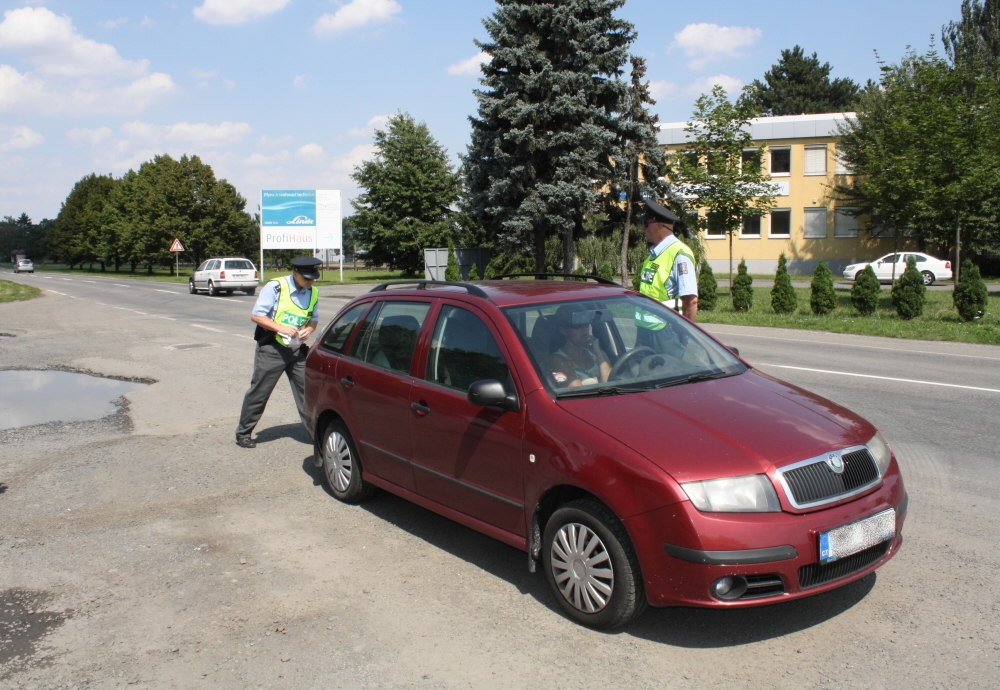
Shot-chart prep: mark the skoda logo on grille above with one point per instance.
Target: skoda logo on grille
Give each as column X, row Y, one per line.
column 835, row 462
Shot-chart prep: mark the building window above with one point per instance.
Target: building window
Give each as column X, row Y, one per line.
column 815, row 160
column 751, row 226
column 752, row 160
column 842, row 168
column 716, row 228
column 845, row 223
column 781, row 160
column 781, row 222
column 814, row 227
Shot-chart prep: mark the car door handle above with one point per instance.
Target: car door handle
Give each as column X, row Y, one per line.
column 347, row 383
column 420, row 409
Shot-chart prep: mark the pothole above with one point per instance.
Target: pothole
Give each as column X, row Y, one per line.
column 30, row 397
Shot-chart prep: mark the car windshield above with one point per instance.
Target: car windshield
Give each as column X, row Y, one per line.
column 239, row 264
column 617, row 345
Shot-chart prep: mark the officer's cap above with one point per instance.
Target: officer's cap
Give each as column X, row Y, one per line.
column 662, row 214
column 306, row 266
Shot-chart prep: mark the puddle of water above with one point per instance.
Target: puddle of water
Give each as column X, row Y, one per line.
column 37, row 397
column 23, row 624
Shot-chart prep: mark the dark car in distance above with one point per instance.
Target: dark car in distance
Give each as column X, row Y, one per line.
column 637, row 460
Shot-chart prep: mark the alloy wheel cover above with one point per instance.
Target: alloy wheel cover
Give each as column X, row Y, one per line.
column 337, row 461
column 581, row 567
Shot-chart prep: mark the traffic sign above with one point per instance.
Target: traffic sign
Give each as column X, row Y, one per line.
column 177, row 246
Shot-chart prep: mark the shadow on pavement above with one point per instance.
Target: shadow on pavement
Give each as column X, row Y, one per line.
column 3, row 487
column 296, row 432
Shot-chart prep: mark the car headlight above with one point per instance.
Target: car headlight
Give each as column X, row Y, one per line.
column 750, row 494
column 881, row 452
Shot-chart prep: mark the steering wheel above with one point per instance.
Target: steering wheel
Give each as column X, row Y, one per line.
column 626, row 358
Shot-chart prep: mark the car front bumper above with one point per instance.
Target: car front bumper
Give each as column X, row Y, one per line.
column 682, row 551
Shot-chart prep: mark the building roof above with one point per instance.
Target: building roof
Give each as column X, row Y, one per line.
column 768, row 128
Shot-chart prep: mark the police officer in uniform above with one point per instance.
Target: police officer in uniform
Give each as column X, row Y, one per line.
column 285, row 314
column 668, row 274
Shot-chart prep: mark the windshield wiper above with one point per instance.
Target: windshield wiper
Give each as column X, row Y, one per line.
column 604, row 390
column 696, row 377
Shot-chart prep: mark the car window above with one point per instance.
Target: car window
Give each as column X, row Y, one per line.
column 389, row 338
column 203, row 267
column 336, row 338
column 239, row 265
column 627, row 341
column 463, row 350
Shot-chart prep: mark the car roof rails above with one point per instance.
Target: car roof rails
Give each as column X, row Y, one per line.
column 423, row 284
column 578, row 276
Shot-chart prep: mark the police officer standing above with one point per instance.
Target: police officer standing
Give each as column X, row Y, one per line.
column 668, row 272
column 285, row 314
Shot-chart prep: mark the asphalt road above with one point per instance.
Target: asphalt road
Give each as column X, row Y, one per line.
column 153, row 552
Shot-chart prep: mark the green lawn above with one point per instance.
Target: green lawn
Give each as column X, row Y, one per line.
column 940, row 321
column 16, row 292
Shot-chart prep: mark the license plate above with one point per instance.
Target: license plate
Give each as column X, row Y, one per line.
column 239, row 275
column 857, row 536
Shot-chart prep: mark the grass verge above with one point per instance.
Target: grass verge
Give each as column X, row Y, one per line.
column 16, row 292
column 329, row 277
column 939, row 321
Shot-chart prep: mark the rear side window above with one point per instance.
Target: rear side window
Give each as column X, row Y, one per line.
column 204, row 266
column 389, row 338
column 336, row 338
column 239, row 265
column 463, row 350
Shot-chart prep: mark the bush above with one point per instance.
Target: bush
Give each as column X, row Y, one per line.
column 451, row 272
column 474, row 272
column 866, row 292
column 783, row 297
column 606, row 271
column 909, row 294
column 742, row 289
column 708, row 288
column 823, row 299
column 970, row 294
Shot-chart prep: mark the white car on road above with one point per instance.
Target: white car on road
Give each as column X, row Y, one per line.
column 223, row 275
column 930, row 268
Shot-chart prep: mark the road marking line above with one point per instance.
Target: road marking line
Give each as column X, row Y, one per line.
column 120, row 285
column 58, row 293
column 102, row 304
column 167, row 318
column 240, row 335
column 88, row 281
column 885, row 378
column 67, row 279
column 169, row 292
column 869, row 347
column 142, row 312
column 214, row 330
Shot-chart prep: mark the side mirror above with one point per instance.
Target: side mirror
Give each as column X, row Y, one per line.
column 491, row 393
column 734, row 350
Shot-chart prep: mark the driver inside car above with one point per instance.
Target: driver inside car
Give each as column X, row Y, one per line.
column 577, row 358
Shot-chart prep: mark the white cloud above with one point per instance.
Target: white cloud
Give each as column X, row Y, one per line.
column 20, row 138
column 732, row 85
column 299, row 82
column 259, row 159
column 203, row 73
column 147, row 22
column 185, row 132
column 661, row 89
column 470, row 66
column 113, row 23
column 356, row 13
column 376, row 122
column 310, row 152
column 91, row 136
column 707, row 42
column 273, row 142
column 236, row 11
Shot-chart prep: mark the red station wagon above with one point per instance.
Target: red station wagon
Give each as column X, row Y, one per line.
column 632, row 456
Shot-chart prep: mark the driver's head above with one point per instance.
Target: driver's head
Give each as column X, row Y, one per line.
column 577, row 333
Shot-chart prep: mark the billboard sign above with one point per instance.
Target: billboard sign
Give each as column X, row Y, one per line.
column 300, row 219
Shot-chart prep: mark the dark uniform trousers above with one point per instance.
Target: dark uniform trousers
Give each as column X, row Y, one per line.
column 269, row 363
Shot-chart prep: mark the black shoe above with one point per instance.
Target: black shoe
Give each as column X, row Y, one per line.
column 245, row 442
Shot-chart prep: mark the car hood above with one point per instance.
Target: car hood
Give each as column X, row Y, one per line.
column 745, row 424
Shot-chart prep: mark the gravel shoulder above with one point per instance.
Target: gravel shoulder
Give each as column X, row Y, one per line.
column 147, row 550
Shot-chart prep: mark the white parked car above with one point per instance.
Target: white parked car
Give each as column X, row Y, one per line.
column 24, row 266
column 223, row 275
column 930, row 268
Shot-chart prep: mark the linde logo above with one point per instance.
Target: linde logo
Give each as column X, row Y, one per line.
column 300, row 220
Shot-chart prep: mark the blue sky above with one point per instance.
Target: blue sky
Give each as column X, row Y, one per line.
column 285, row 94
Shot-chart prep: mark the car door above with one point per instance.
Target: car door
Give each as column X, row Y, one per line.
column 467, row 457
column 376, row 382
column 323, row 390
column 883, row 267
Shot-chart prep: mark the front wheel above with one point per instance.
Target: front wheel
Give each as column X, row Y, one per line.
column 211, row 289
column 191, row 288
column 928, row 277
column 591, row 567
column 341, row 464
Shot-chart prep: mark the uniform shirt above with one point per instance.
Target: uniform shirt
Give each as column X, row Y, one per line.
column 682, row 280
column 267, row 301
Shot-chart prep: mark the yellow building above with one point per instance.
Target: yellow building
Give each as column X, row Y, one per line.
column 807, row 222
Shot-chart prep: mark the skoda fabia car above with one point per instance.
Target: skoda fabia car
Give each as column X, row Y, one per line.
column 635, row 459
column 223, row 275
column 894, row 264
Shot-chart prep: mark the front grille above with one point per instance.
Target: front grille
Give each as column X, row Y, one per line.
column 816, row 482
column 818, row 573
column 763, row 586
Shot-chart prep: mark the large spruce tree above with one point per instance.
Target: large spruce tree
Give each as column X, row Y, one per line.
column 548, row 126
column 798, row 84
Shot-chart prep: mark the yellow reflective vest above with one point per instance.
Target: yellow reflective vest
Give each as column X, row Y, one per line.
column 653, row 278
column 288, row 313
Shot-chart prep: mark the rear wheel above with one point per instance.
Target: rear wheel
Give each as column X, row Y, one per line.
column 928, row 277
column 591, row 567
column 251, row 291
column 341, row 464
column 211, row 289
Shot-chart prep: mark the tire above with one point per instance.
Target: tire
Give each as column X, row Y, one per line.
column 857, row 275
column 342, row 465
column 191, row 288
column 928, row 277
column 251, row 291
column 211, row 289
column 610, row 598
